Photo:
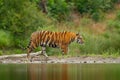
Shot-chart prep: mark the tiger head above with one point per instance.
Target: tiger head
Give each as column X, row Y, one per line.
column 79, row 39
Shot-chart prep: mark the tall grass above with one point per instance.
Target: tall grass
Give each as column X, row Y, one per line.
column 93, row 44
column 98, row 44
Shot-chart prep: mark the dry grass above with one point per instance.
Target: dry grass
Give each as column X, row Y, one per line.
column 98, row 28
column 85, row 24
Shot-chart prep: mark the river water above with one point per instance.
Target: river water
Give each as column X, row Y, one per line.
column 59, row 71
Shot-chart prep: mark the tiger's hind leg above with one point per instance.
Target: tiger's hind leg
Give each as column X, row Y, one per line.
column 64, row 49
column 29, row 50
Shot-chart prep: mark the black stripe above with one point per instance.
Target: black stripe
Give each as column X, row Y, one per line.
column 42, row 38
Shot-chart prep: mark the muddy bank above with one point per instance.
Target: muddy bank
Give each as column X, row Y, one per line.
column 21, row 58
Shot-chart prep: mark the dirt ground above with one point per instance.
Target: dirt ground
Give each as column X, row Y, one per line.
column 21, row 58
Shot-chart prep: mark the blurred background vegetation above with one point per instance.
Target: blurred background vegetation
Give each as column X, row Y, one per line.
column 97, row 20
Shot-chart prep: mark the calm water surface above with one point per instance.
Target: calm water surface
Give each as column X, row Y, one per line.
column 59, row 71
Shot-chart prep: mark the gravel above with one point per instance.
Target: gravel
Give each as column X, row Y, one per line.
column 21, row 58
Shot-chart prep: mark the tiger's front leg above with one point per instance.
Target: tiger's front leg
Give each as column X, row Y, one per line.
column 44, row 53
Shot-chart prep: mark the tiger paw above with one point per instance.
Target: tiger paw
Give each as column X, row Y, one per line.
column 46, row 59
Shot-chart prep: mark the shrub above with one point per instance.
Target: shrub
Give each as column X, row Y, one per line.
column 114, row 26
column 1, row 52
column 113, row 30
column 58, row 9
column 94, row 8
column 115, row 1
column 118, row 15
column 91, row 6
column 21, row 17
column 5, row 39
column 94, row 44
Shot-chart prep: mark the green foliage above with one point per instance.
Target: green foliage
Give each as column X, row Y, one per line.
column 106, row 43
column 100, row 44
column 87, row 6
column 112, row 34
column 58, row 9
column 94, row 42
column 97, row 16
column 115, row 1
column 113, row 31
column 91, row 6
column 114, row 25
column 94, row 7
column 118, row 15
column 5, row 39
column 20, row 17
column 61, row 9
column 74, row 49
column 1, row 52
column 16, row 50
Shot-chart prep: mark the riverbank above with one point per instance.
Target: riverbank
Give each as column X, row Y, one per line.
column 21, row 58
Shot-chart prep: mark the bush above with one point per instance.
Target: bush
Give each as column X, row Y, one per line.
column 114, row 26
column 97, row 16
column 100, row 44
column 6, row 39
column 91, row 6
column 115, row 39
column 86, row 6
column 113, row 32
column 94, row 8
column 115, row 1
column 93, row 45
column 58, row 9
column 20, row 17
column 118, row 15
column 1, row 52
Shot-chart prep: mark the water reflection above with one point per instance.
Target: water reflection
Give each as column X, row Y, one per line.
column 74, row 72
column 47, row 71
column 59, row 71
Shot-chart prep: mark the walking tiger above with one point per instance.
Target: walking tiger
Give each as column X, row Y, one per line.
column 52, row 39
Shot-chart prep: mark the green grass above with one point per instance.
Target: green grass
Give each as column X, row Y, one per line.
column 1, row 52
column 105, row 44
column 5, row 39
column 94, row 45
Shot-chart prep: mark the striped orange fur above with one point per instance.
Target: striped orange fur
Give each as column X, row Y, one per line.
column 52, row 39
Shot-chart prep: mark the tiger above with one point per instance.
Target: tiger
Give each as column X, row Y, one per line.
column 52, row 39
